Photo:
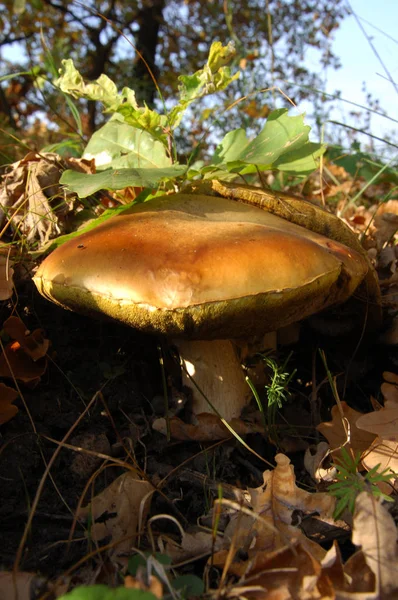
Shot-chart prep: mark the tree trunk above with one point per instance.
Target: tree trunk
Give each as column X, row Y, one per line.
column 150, row 19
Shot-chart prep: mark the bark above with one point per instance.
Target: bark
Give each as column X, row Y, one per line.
column 147, row 39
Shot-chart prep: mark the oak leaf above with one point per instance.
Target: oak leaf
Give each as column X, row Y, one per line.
column 127, row 500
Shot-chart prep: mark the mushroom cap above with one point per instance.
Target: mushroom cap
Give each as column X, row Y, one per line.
column 202, row 267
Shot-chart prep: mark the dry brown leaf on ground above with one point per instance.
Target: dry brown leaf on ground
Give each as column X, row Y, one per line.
column 352, row 581
column 21, row 585
column 15, row 363
column 25, row 358
column 7, row 408
column 34, row 344
column 385, row 454
column 290, row 573
column 197, row 543
column 129, row 497
column 383, row 423
column 31, row 198
column 385, row 223
column 207, row 429
column 375, row 532
column 335, row 432
column 389, row 389
column 270, row 528
column 313, row 462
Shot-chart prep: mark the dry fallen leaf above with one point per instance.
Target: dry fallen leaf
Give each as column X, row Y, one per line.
column 31, row 198
column 384, row 453
column 193, row 544
column 289, row 573
column 375, row 532
column 34, row 344
column 273, row 504
column 25, row 358
column 129, row 497
column 313, row 462
column 335, row 433
column 208, row 428
column 383, row 423
column 7, row 408
column 21, row 585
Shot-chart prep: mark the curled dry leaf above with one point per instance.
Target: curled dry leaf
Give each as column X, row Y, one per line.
column 384, row 453
column 390, row 377
column 31, row 198
column 208, row 428
column 192, row 545
column 335, row 433
column 383, row 423
column 390, row 394
column 313, row 460
column 270, row 529
column 375, row 532
column 25, row 358
column 289, row 573
column 7, row 408
column 34, row 344
column 21, row 585
column 352, row 581
column 128, row 499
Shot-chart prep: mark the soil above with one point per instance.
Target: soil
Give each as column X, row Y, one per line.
column 87, row 357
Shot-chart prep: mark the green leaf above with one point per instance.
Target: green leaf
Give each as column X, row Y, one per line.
column 190, row 585
column 102, row 592
column 302, row 160
column 138, row 560
column 104, row 90
column 121, row 146
column 85, row 185
column 214, row 77
column 280, row 135
column 282, row 144
column 230, row 147
column 19, row 7
column 144, row 118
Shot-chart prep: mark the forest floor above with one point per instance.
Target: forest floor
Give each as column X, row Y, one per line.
column 117, row 371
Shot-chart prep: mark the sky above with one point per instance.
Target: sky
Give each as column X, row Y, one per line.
column 359, row 62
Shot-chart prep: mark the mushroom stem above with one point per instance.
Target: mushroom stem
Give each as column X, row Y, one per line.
column 216, row 370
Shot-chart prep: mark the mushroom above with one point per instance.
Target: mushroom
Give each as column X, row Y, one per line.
column 203, row 271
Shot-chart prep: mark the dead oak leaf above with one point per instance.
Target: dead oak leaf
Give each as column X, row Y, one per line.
column 25, row 358
column 375, row 532
column 127, row 500
column 335, row 433
column 34, row 344
column 385, row 454
column 273, row 505
column 383, row 423
column 289, row 573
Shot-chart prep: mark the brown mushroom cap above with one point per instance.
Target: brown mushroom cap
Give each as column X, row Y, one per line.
column 201, row 267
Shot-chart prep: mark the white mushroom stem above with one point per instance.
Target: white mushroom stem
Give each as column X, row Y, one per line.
column 215, row 368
